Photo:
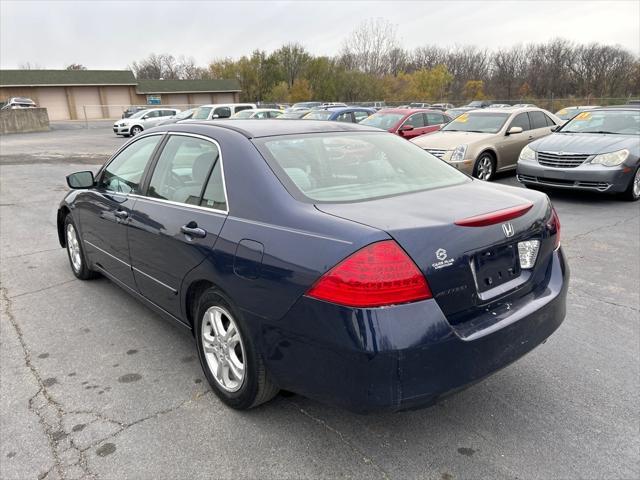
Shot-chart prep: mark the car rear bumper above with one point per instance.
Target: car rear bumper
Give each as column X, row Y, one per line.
column 585, row 177
column 405, row 356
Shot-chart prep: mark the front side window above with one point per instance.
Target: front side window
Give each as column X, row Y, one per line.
column 360, row 115
column 202, row 113
column 239, row 108
column 345, row 117
column 416, row 120
column 183, row 169
column 124, row 172
column 347, row 167
column 521, row 120
column 222, row 112
column 480, row 122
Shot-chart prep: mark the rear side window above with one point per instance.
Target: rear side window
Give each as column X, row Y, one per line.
column 239, row 108
column 521, row 120
column 348, row 167
column 434, row 118
column 538, row 120
column 214, row 196
column 183, row 169
column 124, row 172
column 550, row 122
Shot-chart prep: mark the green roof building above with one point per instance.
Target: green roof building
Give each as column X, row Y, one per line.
column 96, row 94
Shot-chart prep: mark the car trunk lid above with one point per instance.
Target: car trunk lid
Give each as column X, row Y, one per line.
column 467, row 267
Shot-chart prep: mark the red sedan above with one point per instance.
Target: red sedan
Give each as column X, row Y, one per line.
column 408, row 122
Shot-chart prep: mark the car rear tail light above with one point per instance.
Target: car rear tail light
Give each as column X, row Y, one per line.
column 554, row 227
column 492, row 218
column 377, row 275
column 528, row 252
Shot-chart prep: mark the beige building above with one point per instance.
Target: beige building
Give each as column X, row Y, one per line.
column 95, row 94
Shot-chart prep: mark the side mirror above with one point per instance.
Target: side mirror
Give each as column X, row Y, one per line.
column 513, row 130
column 81, row 180
column 215, row 115
column 405, row 128
column 555, row 128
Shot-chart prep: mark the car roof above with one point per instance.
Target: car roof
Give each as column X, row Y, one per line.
column 226, row 104
column 509, row 109
column 619, row 107
column 272, row 127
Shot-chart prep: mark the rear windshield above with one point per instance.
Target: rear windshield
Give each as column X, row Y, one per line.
column 481, row 122
column 618, row 122
column 351, row 167
column 383, row 120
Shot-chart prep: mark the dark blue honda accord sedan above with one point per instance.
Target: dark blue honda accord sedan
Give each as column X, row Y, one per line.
column 328, row 259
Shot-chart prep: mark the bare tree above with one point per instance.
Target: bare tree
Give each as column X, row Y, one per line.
column 369, row 46
column 75, row 66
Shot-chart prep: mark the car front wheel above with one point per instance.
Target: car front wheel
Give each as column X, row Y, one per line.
column 135, row 130
column 75, row 251
column 633, row 191
column 231, row 363
column 484, row 168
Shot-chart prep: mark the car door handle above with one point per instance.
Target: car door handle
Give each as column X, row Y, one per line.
column 121, row 214
column 193, row 230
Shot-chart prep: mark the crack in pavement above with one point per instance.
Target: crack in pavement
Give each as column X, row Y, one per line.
column 51, row 415
column 602, row 227
column 43, row 289
column 582, row 294
column 32, row 253
column 343, row 439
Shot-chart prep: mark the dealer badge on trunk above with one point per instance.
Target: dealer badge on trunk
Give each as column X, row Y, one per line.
column 441, row 255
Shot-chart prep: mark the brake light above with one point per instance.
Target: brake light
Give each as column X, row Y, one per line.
column 554, row 227
column 492, row 218
column 376, row 275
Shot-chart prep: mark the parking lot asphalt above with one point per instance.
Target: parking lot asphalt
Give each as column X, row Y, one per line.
column 95, row 385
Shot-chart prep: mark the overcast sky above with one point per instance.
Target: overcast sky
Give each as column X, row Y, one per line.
column 112, row 34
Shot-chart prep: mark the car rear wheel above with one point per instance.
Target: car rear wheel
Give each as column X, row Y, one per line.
column 484, row 168
column 231, row 363
column 135, row 130
column 633, row 191
column 75, row 251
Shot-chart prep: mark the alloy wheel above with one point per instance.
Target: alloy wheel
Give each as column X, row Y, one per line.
column 74, row 248
column 223, row 348
column 485, row 168
column 636, row 184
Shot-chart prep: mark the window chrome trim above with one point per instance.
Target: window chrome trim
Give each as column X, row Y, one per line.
column 180, row 204
column 177, row 204
column 107, row 253
column 173, row 290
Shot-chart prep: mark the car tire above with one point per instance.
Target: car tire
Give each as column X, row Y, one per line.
column 632, row 193
column 135, row 130
column 224, row 345
column 485, row 167
column 75, row 251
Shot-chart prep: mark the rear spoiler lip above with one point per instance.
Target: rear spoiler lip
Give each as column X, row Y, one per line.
column 494, row 217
